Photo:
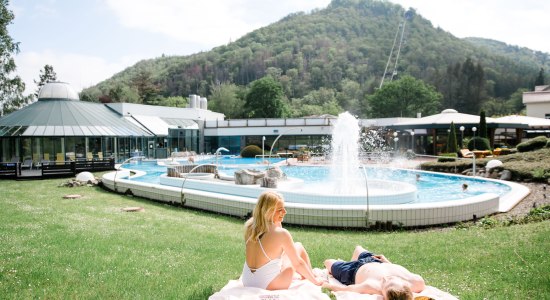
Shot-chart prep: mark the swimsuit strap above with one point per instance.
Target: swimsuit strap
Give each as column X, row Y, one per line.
column 262, row 247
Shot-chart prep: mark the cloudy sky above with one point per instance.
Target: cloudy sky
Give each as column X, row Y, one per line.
column 89, row 41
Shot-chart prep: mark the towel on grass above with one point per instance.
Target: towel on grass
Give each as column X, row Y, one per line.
column 429, row 291
column 299, row 289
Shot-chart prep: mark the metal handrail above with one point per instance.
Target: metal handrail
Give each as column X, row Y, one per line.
column 182, row 200
column 120, row 166
column 367, row 187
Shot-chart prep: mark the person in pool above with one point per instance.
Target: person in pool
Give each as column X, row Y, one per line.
column 368, row 273
column 272, row 256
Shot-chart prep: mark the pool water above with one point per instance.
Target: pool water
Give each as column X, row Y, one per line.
column 432, row 187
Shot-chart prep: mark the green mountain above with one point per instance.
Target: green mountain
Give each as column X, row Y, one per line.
column 329, row 59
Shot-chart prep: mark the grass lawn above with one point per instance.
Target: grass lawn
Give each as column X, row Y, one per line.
column 54, row 248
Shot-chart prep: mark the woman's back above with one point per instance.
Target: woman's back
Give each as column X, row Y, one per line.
column 259, row 253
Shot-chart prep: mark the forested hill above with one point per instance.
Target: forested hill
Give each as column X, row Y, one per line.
column 326, row 61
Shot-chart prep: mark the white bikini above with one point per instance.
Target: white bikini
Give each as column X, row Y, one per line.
column 262, row 276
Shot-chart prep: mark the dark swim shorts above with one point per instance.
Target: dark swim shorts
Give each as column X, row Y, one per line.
column 345, row 271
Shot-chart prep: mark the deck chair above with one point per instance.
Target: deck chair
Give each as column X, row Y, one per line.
column 466, row 153
column 27, row 163
column 59, row 159
column 72, row 156
column 47, row 156
column 89, row 156
column 100, row 155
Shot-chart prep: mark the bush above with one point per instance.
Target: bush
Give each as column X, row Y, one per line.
column 251, row 151
column 480, row 144
column 532, row 144
column 448, row 157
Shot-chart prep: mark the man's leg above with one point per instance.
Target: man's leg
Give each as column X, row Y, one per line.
column 358, row 250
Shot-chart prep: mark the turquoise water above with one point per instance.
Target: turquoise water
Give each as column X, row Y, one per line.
column 432, row 187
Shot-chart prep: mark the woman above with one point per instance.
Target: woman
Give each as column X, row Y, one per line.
column 271, row 254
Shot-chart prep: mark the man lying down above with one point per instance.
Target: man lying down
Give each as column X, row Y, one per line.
column 367, row 273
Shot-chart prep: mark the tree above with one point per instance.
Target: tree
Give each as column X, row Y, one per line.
column 482, row 125
column 225, row 99
column 46, row 75
column 11, row 88
column 147, row 90
column 452, row 146
column 404, row 98
column 540, row 78
column 265, row 99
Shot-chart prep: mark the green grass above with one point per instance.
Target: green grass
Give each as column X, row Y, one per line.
column 86, row 248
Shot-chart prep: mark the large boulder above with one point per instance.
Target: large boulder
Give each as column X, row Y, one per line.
column 248, row 177
column 85, row 177
column 275, row 172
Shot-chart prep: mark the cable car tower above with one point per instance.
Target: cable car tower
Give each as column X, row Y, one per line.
column 393, row 59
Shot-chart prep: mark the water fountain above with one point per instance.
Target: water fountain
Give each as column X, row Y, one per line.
column 344, row 172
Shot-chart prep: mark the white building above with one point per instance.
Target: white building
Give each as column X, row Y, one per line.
column 538, row 102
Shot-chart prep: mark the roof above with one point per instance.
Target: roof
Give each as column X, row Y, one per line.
column 532, row 122
column 159, row 126
column 57, row 90
column 448, row 116
column 57, row 117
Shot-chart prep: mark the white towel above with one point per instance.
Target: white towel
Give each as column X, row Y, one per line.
column 298, row 290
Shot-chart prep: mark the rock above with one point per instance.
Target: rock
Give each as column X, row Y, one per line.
column 506, row 175
column 75, row 196
column 248, row 177
column 274, row 172
column 85, row 177
column 269, row 182
column 493, row 164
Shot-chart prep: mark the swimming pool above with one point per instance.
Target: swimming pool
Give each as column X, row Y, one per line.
column 431, row 187
column 438, row 198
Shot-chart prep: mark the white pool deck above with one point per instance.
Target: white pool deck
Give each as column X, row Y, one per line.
column 220, row 198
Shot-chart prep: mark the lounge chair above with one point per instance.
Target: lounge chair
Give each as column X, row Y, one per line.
column 466, row 153
column 27, row 164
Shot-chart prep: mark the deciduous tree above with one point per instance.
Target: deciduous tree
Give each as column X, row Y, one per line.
column 11, row 88
column 265, row 99
column 404, row 98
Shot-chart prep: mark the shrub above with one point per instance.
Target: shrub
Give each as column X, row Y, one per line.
column 448, row 157
column 532, row 144
column 479, row 143
column 251, row 151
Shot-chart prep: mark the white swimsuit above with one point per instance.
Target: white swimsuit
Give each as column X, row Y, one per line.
column 262, row 276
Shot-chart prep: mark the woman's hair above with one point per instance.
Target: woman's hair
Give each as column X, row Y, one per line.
column 262, row 215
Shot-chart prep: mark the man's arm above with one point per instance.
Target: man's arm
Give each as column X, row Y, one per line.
column 365, row 287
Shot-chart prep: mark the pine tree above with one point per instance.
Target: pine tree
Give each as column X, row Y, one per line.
column 46, row 75
column 540, row 78
column 482, row 125
column 452, row 146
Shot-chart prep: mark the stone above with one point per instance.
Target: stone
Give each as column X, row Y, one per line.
column 274, row 172
column 74, row 196
column 85, row 177
column 506, row 175
column 269, row 182
column 248, row 177
column 133, row 209
column 493, row 163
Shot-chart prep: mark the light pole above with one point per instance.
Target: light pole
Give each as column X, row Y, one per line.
column 474, row 129
column 263, row 141
column 461, row 137
column 412, row 140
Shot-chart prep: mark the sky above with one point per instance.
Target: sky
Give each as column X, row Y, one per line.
column 89, row 41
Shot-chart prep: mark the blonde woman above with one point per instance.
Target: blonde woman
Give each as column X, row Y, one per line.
column 272, row 257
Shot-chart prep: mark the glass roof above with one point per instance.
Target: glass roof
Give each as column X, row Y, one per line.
column 61, row 117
